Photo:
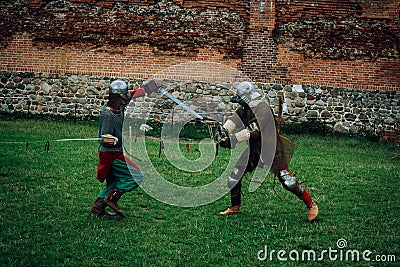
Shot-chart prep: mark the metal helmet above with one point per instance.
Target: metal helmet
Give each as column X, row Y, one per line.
column 247, row 92
column 120, row 88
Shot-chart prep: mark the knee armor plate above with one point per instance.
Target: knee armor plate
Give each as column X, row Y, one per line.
column 290, row 183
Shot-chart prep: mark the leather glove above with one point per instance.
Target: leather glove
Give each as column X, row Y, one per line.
column 152, row 86
column 109, row 140
column 224, row 139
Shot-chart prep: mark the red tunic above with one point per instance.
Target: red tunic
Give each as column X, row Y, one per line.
column 106, row 160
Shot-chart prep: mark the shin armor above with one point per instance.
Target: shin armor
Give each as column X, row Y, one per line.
column 290, row 183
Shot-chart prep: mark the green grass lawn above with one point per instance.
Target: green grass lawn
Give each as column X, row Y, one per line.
column 45, row 217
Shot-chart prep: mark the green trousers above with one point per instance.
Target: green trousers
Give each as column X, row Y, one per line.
column 122, row 176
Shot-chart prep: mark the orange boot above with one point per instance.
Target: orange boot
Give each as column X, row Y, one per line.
column 311, row 206
column 312, row 212
column 231, row 210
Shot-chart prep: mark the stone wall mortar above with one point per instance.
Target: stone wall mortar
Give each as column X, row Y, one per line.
column 345, row 109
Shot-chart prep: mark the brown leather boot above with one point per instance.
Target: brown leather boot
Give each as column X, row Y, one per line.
column 312, row 212
column 311, row 206
column 231, row 210
column 99, row 208
column 112, row 199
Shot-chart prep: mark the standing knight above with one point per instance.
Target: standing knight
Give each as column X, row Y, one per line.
column 253, row 122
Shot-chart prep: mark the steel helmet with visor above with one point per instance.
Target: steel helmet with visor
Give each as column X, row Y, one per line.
column 120, row 88
column 245, row 92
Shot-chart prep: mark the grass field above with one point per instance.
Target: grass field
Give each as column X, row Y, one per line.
column 45, row 217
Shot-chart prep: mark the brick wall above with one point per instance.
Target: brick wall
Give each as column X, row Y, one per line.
column 340, row 43
column 137, row 61
column 349, row 44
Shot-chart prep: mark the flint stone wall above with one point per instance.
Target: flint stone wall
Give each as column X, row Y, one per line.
column 346, row 110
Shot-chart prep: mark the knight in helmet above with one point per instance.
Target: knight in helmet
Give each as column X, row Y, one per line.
column 120, row 173
column 254, row 123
